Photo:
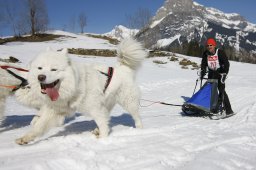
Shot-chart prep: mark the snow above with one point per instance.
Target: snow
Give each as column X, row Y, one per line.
column 168, row 139
column 120, row 32
column 157, row 22
column 166, row 41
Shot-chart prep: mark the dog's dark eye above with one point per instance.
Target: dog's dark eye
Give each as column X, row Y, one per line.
column 53, row 69
column 39, row 68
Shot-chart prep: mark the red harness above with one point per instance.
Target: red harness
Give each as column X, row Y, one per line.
column 109, row 75
column 17, row 68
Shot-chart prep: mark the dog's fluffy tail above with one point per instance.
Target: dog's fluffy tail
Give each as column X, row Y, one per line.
column 131, row 53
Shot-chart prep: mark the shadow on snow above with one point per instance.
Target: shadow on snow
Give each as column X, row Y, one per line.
column 87, row 126
column 15, row 122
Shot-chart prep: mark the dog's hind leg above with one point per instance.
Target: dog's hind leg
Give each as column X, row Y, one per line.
column 47, row 120
column 101, row 117
column 133, row 108
column 130, row 102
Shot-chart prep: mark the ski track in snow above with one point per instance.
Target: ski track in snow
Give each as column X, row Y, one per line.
column 167, row 141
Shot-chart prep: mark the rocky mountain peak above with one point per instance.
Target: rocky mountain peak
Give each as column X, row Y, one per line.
column 174, row 6
column 179, row 23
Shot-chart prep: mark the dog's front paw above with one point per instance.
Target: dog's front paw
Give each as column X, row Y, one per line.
column 23, row 140
column 96, row 132
column 139, row 125
column 101, row 133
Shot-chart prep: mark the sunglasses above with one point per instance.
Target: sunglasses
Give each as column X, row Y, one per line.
column 210, row 45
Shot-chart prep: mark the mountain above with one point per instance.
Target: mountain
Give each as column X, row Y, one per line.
column 120, row 32
column 180, row 22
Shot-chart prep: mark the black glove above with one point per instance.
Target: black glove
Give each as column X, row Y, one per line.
column 223, row 78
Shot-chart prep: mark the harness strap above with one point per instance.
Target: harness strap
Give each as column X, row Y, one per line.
column 109, row 75
column 9, row 87
column 24, row 82
column 20, row 69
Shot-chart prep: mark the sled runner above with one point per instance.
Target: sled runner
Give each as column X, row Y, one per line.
column 206, row 102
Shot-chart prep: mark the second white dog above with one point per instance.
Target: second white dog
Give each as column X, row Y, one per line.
column 67, row 87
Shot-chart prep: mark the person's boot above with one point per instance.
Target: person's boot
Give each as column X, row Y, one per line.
column 229, row 112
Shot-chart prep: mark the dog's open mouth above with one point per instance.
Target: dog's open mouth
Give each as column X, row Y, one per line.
column 51, row 90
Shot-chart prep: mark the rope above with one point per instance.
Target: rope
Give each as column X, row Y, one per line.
column 152, row 102
column 170, row 104
column 158, row 102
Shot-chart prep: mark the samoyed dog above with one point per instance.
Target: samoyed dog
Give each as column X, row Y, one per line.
column 7, row 82
column 68, row 87
column 13, row 81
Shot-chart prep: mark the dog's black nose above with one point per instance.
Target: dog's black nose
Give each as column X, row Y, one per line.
column 41, row 77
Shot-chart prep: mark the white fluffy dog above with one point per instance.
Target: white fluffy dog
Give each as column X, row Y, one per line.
column 5, row 80
column 24, row 93
column 67, row 87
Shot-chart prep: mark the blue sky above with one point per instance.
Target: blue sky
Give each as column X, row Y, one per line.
column 103, row 15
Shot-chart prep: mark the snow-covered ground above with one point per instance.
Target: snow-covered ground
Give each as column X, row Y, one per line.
column 168, row 139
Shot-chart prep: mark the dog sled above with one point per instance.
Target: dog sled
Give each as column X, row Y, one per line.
column 206, row 102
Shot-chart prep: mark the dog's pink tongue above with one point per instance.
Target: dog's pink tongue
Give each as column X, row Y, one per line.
column 52, row 93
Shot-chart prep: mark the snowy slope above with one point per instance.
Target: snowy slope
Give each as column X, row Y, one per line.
column 168, row 139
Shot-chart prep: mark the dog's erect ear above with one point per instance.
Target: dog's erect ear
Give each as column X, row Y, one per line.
column 48, row 49
column 64, row 50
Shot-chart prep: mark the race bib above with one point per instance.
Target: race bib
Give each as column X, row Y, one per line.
column 213, row 61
